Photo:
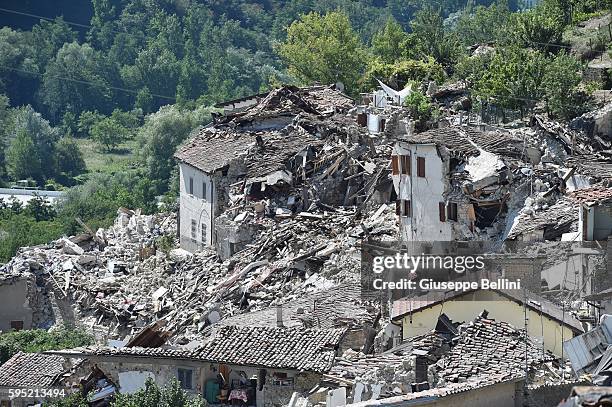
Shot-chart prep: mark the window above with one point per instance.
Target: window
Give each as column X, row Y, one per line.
column 442, row 211
column 203, row 190
column 398, row 207
column 452, row 211
column 185, row 378
column 190, row 185
column 407, row 208
column 203, row 233
column 16, row 325
column 394, row 165
column 406, row 164
column 420, row 166
column 194, row 226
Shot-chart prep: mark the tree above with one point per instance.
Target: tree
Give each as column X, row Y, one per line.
column 76, row 80
column 153, row 396
column 108, row 133
column 536, row 28
column 22, row 158
column 560, row 86
column 429, row 37
column 398, row 74
column 40, row 340
column 420, row 107
column 86, row 121
column 324, row 48
column 68, row 157
column 389, row 43
column 484, row 24
column 161, row 134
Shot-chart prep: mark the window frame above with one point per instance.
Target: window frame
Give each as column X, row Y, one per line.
column 184, row 371
column 421, row 167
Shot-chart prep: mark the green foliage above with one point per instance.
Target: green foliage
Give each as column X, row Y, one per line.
column 536, row 28
column 108, row 133
column 68, row 157
column 152, row 396
column 40, row 340
column 420, row 107
column 484, row 24
column 398, row 74
column 324, row 48
column 22, row 159
column 159, row 137
column 429, row 38
column 389, row 43
column 512, row 79
column 560, row 86
column 75, row 399
column 86, row 121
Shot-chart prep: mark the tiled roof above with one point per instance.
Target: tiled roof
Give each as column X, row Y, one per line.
column 592, row 165
column 489, row 348
column 466, row 141
column 280, row 348
column 338, row 306
column 559, row 218
column 535, row 302
column 594, row 195
column 210, row 151
column 302, row 349
column 31, row 369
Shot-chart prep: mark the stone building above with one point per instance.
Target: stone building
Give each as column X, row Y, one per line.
column 262, row 366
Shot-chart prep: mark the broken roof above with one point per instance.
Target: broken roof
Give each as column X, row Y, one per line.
column 32, row 370
column 535, row 302
column 332, row 308
column 291, row 100
column 468, row 141
column 280, row 348
column 559, row 218
column 592, row 165
column 595, row 195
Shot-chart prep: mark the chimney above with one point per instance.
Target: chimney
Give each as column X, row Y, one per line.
column 279, row 316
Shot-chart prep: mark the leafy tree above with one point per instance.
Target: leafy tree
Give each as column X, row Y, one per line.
column 536, row 28
column 430, row 38
column 324, row 48
column 18, row 68
column 420, row 107
column 76, row 80
column 388, row 43
column 512, row 79
column 484, row 24
column 22, row 158
column 40, row 340
column 560, row 86
column 48, row 37
column 161, row 134
column 153, row 396
column 86, row 121
column 68, row 157
column 398, row 74
column 108, row 133
column 39, row 209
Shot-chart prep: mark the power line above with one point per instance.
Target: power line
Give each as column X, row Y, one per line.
column 6, row 10
column 135, row 92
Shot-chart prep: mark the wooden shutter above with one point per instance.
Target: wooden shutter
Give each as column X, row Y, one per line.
column 406, row 165
column 398, row 207
column 394, row 165
column 407, row 208
column 452, row 211
column 420, row 166
column 442, row 211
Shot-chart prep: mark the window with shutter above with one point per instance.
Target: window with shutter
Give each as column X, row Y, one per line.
column 406, row 165
column 194, row 226
column 420, row 166
column 407, row 208
column 398, row 207
column 394, row 165
column 442, row 211
column 190, row 186
column 452, row 211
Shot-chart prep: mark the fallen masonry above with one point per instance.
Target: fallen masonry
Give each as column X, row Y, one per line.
column 253, row 291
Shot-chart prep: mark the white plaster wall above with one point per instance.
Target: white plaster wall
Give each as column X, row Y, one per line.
column 425, row 193
column 373, row 123
column 194, row 207
column 602, row 222
column 566, row 274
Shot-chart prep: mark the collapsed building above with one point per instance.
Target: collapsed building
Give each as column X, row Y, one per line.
column 262, row 302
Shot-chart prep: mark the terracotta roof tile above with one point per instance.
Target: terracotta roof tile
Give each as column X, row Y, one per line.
column 31, row 369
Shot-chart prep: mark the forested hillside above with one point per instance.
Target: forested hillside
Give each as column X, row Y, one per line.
column 99, row 99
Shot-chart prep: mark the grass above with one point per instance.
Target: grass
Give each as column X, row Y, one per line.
column 99, row 160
